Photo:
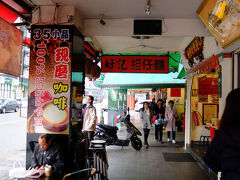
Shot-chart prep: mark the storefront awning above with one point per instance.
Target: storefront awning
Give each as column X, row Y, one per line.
column 142, row 80
column 7, row 15
column 182, row 74
column 10, row 10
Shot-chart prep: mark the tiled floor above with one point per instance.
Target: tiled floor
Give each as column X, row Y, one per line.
column 127, row 163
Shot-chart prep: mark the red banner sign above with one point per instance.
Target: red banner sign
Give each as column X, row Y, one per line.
column 207, row 65
column 135, row 64
column 207, row 86
column 49, row 79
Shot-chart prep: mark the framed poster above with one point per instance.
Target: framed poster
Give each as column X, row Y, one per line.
column 210, row 113
column 222, row 19
column 10, row 49
column 202, row 98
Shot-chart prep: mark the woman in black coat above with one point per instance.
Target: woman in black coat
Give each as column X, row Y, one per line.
column 223, row 154
column 159, row 112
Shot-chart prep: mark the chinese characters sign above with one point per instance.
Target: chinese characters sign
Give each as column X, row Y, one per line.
column 195, row 48
column 10, row 49
column 135, row 64
column 49, row 79
column 207, row 86
column 206, row 66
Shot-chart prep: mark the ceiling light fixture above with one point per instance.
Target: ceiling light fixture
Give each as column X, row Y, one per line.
column 147, row 9
column 101, row 21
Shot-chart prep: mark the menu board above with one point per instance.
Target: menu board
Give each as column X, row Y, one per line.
column 49, row 79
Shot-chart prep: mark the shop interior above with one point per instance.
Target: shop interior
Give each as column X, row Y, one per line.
column 206, row 91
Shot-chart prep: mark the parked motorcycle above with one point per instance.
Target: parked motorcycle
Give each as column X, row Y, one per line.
column 109, row 134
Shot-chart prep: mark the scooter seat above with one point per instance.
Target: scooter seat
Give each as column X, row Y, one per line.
column 107, row 127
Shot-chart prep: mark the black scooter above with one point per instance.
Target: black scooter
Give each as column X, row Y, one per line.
column 109, row 134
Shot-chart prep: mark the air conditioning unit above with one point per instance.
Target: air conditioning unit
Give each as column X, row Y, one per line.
column 147, row 27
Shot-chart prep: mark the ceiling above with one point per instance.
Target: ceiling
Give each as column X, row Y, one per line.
column 126, row 44
column 133, row 9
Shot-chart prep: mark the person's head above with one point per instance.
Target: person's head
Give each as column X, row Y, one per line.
column 159, row 102
column 145, row 105
column 153, row 100
column 44, row 141
column 231, row 114
column 171, row 103
column 89, row 99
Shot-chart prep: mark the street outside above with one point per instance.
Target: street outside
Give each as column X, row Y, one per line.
column 13, row 141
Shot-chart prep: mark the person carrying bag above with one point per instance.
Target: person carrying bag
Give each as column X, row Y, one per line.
column 160, row 121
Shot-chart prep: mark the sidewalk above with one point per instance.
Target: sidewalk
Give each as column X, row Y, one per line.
column 160, row 161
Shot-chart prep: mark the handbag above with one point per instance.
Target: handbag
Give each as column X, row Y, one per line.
column 154, row 118
column 17, row 172
column 163, row 121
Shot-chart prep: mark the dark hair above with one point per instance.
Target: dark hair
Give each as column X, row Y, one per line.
column 145, row 102
column 92, row 98
column 160, row 100
column 231, row 114
column 171, row 101
column 153, row 99
column 46, row 136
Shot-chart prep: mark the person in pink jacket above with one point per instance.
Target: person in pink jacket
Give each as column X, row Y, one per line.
column 171, row 117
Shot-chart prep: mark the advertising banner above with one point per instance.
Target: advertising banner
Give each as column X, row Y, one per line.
column 10, row 49
column 134, row 64
column 206, row 66
column 49, row 79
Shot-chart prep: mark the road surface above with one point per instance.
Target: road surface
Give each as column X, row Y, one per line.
column 12, row 141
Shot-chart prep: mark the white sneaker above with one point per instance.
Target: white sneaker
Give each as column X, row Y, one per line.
column 168, row 139
column 173, row 141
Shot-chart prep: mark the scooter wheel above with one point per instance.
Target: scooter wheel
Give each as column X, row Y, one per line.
column 136, row 143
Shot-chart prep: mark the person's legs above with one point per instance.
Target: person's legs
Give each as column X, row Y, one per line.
column 168, row 134
column 173, row 135
column 156, row 131
column 146, row 133
column 89, row 137
column 161, row 132
column 145, row 136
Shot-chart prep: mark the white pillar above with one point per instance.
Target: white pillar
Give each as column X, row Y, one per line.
column 188, row 111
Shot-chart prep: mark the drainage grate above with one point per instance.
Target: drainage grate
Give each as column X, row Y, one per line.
column 178, row 157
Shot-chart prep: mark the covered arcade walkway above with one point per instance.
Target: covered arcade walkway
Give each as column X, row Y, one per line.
column 161, row 161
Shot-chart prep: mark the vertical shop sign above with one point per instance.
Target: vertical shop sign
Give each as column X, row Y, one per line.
column 49, row 79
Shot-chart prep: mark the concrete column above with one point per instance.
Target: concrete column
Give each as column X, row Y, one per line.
column 188, row 111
